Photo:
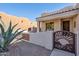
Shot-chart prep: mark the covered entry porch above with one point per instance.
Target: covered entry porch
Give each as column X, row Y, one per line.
column 63, row 23
column 63, row 33
column 58, row 24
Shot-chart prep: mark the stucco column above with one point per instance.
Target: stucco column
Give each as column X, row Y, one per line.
column 77, row 32
column 60, row 24
column 38, row 26
column 42, row 26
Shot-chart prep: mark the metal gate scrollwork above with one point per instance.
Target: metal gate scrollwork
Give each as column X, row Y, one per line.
column 64, row 40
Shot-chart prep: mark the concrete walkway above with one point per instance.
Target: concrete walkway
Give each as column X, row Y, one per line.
column 27, row 49
column 57, row 52
column 23, row 48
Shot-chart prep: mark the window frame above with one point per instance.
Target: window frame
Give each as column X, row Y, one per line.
column 50, row 26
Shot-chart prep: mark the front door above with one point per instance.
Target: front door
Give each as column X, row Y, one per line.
column 66, row 25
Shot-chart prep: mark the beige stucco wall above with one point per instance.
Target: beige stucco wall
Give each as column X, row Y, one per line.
column 42, row 26
column 74, row 20
column 23, row 23
column 77, row 32
column 33, row 24
column 72, row 25
column 58, row 25
column 37, row 26
column 43, row 39
column 71, row 19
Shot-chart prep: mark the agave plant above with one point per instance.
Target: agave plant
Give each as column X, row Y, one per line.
column 8, row 36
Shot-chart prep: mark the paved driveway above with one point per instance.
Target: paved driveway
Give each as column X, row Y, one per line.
column 27, row 49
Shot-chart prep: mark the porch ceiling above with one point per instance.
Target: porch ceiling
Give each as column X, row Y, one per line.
column 59, row 16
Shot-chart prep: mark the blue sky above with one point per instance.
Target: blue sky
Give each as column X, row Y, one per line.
column 30, row 10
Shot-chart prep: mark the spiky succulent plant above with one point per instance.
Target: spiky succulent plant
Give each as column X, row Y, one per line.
column 8, row 36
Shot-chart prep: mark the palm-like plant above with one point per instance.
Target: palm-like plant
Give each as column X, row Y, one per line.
column 8, row 36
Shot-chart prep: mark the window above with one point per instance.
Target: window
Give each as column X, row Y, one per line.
column 50, row 26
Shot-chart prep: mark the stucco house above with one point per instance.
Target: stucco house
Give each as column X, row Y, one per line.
column 65, row 25
column 33, row 27
column 63, row 19
column 23, row 23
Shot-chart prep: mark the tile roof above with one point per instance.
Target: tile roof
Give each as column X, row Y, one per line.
column 63, row 10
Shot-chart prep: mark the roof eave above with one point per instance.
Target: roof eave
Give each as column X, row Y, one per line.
column 59, row 15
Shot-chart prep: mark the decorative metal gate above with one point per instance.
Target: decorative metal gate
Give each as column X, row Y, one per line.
column 64, row 40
